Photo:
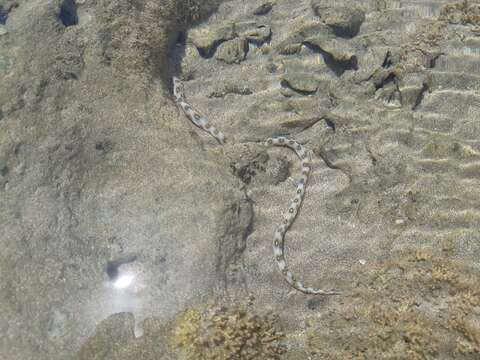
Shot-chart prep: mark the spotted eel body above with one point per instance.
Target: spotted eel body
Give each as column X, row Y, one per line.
column 193, row 115
column 289, row 218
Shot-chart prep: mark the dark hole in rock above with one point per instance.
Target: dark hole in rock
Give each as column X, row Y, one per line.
column 17, row 149
column 433, row 61
column 388, row 60
column 4, row 170
column 330, row 124
column 313, row 304
column 68, row 13
column 103, row 146
column 420, row 96
column 181, row 38
column 112, row 266
column 70, row 76
column 339, row 67
column 3, row 15
column 245, row 173
column 387, row 80
column 345, row 33
column 1, row 114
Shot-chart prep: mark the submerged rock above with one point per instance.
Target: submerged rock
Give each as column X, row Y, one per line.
column 339, row 49
column 207, row 40
column 303, row 82
column 253, row 31
column 232, row 51
column 344, row 21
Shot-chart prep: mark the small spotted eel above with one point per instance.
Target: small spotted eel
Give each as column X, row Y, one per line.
column 193, row 115
column 289, row 218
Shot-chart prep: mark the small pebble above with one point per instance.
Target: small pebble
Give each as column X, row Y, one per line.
column 3, row 30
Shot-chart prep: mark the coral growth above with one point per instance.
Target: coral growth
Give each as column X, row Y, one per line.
column 227, row 334
column 419, row 306
column 464, row 12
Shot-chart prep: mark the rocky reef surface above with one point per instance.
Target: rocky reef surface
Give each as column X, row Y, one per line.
column 126, row 232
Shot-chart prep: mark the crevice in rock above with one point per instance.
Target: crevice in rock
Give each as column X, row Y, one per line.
column 68, row 13
column 259, row 38
column 4, row 170
column 385, row 81
column 263, row 9
column 387, row 62
column 337, row 66
column 181, row 38
column 3, row 15
column 207, row 54
column 433, row 61
column 303, row 124
column 70, row 76
column 330, row 124
column 420, row 96
column 40, row 89
column 286, row 84
column 17, row 148
column 322, row 153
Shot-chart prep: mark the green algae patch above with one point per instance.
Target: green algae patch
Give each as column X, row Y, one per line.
column 417, row 306
column 226, row 333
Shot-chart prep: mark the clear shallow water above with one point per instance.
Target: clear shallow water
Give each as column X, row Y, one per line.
column 124, row 226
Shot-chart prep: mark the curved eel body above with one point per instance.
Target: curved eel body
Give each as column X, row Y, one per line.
column 289, row 218
column 193, row 115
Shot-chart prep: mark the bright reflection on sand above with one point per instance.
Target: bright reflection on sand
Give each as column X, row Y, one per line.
column 124, row 281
